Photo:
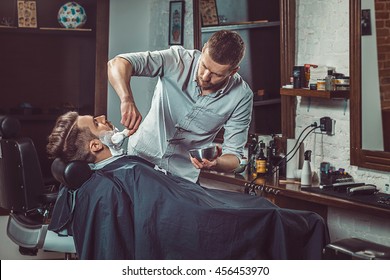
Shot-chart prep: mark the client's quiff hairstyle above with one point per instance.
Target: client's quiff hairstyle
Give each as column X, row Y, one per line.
column 69, row 142
column 226, row 47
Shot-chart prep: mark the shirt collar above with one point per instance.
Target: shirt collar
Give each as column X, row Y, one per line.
column 103, row 163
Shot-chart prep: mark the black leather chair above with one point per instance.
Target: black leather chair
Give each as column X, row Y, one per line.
column 24, row 194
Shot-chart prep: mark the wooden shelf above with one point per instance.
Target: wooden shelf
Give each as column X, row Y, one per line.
column 337, row 94
column 296, row 195
column 66, row 29
column 266, row 102
column 240, row 26
column 45, row 30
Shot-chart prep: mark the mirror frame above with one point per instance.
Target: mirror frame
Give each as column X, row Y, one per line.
column 376, row 160
column 287, row 37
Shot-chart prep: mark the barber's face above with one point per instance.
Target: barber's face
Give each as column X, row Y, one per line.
column 211, row 75
column 95, row 124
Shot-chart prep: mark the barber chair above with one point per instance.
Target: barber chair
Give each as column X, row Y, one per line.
column 24, row 195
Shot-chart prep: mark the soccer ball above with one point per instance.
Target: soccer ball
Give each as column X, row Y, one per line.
column 72, row 15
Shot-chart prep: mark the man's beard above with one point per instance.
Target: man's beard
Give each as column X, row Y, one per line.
column 210, row 86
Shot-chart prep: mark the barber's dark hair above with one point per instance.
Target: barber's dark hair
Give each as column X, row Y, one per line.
column 69, row 142
column 226, row 47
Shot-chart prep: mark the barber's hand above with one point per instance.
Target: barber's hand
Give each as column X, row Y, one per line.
column 131, row 117
column 206, row 164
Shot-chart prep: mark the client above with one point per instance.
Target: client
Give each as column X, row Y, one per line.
column 129, row 210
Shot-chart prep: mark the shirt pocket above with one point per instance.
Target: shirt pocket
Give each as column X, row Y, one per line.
column 207, row 122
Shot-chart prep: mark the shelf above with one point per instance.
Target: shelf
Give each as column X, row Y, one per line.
column 337, row 94
column 66, row 29
column 45, row 30
column 262, row 24
column 266, row 102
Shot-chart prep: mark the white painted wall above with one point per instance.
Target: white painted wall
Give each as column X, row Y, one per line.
column 141, row 26
column 129, row 32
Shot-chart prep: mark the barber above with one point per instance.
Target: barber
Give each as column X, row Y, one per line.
column 196, row 95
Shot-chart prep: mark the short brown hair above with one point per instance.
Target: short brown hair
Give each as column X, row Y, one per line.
column 226, row 48
column 68, row 141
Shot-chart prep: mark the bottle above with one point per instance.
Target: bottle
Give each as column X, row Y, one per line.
column 298, row 76
column 271, row 155
column 306, row 175
column 329, row 81
column 261, row 162
column 252, row 149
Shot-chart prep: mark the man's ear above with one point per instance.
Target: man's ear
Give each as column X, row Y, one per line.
column 95, row 145
column 234, row 71
column 204, row 47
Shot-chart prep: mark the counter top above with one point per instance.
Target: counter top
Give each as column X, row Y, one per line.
column 280, row 187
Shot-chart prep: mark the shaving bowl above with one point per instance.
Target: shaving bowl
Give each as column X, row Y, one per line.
column 209, row 153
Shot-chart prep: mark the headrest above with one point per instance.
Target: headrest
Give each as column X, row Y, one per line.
column 73, row 174
column 9, row 127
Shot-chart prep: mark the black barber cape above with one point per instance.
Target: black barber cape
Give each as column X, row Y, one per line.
column 128, row 210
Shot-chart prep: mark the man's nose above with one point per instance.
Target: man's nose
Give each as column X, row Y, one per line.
column 206, row 75
column 101, row 119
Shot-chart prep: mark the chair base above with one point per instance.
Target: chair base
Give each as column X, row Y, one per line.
column 32, row 236
column 25, row 232
column 27, row 251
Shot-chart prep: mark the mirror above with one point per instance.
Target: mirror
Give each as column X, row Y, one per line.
column 361, row 154
column 375, row 77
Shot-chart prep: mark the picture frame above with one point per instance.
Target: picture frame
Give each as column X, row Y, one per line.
column 209, row 13
column 27, row 13
column 176, row 22
column 366, row 22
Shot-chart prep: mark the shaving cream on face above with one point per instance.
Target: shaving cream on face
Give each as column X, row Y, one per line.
column 113, row 140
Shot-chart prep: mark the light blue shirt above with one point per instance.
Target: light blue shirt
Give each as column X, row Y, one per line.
column 180, row 118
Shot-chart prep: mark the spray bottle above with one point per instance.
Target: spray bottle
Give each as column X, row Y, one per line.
column 306, row 175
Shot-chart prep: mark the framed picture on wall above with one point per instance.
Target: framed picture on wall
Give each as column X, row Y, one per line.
column 27, row 14
column 366, row 22
column 176, row 21
column 209, row 14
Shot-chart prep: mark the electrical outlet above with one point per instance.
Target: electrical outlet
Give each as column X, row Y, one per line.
column 327, row 125
column 387, row 187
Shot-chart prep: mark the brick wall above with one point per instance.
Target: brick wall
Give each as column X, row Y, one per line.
column 382, row 14
column 323, row 38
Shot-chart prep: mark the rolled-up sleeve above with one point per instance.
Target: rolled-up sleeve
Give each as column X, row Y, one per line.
column 154, row 63
column 237, row 127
